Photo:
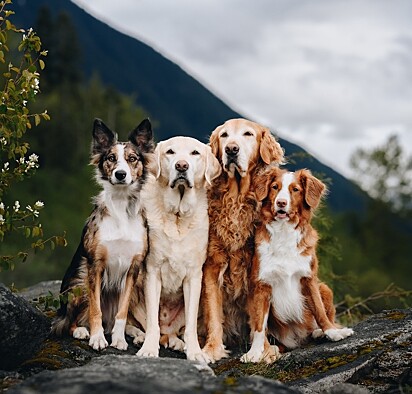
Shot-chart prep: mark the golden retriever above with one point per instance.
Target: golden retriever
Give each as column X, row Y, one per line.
column 176, row 206
column 243, row 148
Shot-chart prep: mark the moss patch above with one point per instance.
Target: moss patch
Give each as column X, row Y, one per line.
column 49, row 356
column 289, row 370
column 395, row 315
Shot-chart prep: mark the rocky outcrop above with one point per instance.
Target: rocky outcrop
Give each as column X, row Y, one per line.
column 377, row 359
column 128, row 374
column 22, row 329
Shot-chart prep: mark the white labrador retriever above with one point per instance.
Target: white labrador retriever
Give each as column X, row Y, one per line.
column 176, row 206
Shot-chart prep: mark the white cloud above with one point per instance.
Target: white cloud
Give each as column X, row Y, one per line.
column 331, row 76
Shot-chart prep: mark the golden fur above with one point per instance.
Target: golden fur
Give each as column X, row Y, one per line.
column 243, row 148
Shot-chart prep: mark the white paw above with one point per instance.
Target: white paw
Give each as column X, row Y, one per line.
column 318, row 333
column 148, row 350
column 137, row 334
column 147, row 353
column 252, row 356
column 119, row 343
column 337, row 334
column 198, row 355
column 81, row 333
column 98, row 341
column 176, row 343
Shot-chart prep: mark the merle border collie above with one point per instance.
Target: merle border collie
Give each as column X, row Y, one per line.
column 113, row 244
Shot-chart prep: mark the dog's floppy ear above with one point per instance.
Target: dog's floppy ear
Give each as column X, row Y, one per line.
column 213, row 168
column 270, row 149
column 103, row 137
column 142, row 136
column 313, row 187
column 154, row 165
column 263, row 180
column 214, row 142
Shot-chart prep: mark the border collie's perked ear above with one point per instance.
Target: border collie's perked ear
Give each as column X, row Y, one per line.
column 103, row 137
column 142, row 136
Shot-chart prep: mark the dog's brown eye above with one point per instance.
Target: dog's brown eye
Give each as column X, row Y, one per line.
column 111, row 158
column 195, row 152
column 170, row 152
column 275, row 186
column 223, row 135
column 247, row 133
column 295, row 189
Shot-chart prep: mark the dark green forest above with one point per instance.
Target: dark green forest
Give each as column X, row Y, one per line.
column 364, row 246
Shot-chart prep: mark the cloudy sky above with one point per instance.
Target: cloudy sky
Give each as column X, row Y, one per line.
column 329, row 75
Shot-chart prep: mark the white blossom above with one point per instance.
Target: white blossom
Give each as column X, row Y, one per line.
column 33, row 157
column 16, row 206
column 29, row 208
column 39, row 204
column 36, row 213
column 2, row 206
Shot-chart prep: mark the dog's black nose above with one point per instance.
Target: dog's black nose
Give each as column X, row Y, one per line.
column 232, row 149
column 120, row 175
column 281, row 203
column 182, row 165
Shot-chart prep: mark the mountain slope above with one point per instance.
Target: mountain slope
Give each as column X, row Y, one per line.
column 177, row 102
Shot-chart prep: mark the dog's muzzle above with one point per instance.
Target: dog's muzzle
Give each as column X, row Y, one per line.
column 232, row 152
column 181, row 167
column 181, row 179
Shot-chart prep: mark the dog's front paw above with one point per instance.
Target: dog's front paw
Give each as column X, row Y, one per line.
column 98, row 341
column 81, row 333
column 148, row 351
column 252, row 356
column 137, row 334
column 119, row 343
column 215, row 353
column 199, row 356
column 318, row 333
column 271, row 354
column 337, row 334
column 176, row 343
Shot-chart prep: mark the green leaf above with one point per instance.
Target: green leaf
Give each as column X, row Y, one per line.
column 42, row 64
column 52, row 245
column 28, row 232
column 36, row 119
column 35, row 231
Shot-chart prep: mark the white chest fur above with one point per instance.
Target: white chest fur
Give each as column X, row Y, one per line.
column 178, row 229
column 124, row 236
column 282, row 266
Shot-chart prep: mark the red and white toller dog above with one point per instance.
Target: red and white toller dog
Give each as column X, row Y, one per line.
column 286, row 294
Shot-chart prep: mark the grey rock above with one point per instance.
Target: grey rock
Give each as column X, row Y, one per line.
column 23, row 329
column 42, row 289
column 376, row 359
column 129, row 374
